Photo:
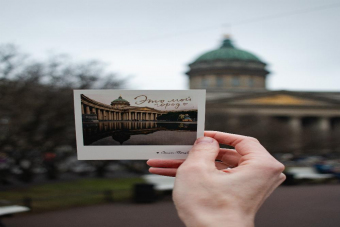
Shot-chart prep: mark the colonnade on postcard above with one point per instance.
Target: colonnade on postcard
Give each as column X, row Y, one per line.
column 107, row 114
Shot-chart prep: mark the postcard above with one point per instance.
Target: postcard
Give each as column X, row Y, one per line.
column 137, row 124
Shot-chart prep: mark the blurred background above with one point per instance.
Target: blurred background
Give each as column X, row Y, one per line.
column 270, row 68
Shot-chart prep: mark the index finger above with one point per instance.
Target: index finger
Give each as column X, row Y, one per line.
column 244, row 145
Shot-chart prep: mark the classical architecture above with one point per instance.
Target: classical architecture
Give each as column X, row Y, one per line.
column 228, row 68
column 238, row 102
column 119, row 110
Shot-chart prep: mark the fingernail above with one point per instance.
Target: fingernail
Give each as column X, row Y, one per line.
column 204, row 140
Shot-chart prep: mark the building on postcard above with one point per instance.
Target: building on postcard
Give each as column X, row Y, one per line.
column 238, row 101
column 119, row 110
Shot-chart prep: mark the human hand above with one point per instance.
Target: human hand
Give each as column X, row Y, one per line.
column 208, row 193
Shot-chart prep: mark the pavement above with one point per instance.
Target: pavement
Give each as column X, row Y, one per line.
column 300, row 206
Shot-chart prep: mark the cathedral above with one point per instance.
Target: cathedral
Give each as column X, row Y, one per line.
column 238, row 101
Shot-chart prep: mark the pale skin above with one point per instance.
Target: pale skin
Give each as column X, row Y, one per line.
column 209, row 193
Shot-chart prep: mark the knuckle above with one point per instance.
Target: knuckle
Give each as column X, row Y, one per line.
column 252, row 139
column 270, row 166
column 277, row 167
column 280, row 167
column 282, row 177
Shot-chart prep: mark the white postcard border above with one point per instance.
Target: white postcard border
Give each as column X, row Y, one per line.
column 140, row 152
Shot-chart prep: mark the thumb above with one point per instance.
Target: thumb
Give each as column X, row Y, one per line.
column 205, row 150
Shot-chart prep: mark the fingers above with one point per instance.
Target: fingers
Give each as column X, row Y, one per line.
column 230, row 157
column 170, row 172
column 205, row 150
column 244, row 145
column 162, row 163
column 220, row 165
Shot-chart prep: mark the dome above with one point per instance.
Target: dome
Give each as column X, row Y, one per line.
column 120, row 102
column 228, row 68
column 120, row 99
column 227, row 52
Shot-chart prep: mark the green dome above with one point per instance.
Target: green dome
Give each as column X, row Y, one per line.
column 227, row 52
column 120, row 99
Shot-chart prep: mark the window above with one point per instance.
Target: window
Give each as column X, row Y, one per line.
column 205, row 82
column 235, row 81
column 219, row 81
column 251, row 82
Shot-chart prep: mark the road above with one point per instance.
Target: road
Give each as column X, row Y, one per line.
column 297, row 206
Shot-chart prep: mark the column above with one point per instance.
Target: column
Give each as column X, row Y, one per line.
column 295, row 123
column 82, row 109
column 147, row 116
column 99, row 114
column 129, row 116
column 87, row 110
column 295, row 138
column 324, row 124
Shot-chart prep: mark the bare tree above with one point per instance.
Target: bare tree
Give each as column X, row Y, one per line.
column 36, row 108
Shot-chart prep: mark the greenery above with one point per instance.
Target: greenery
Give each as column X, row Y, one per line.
column 74, row 193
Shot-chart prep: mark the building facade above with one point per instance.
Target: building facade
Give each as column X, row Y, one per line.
column 119, row 110
column 239, row 102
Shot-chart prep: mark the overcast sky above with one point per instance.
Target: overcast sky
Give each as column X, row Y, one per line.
column 154, row 40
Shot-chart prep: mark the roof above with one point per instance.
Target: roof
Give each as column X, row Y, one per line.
column 120, row 99
column 279, row 97
column 228, row 52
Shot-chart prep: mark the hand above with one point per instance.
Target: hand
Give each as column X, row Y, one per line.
column 208, row 193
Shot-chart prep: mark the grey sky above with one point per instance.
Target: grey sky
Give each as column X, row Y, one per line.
column 302, row 50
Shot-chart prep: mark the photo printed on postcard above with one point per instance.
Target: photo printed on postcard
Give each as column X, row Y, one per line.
column 130, row 124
